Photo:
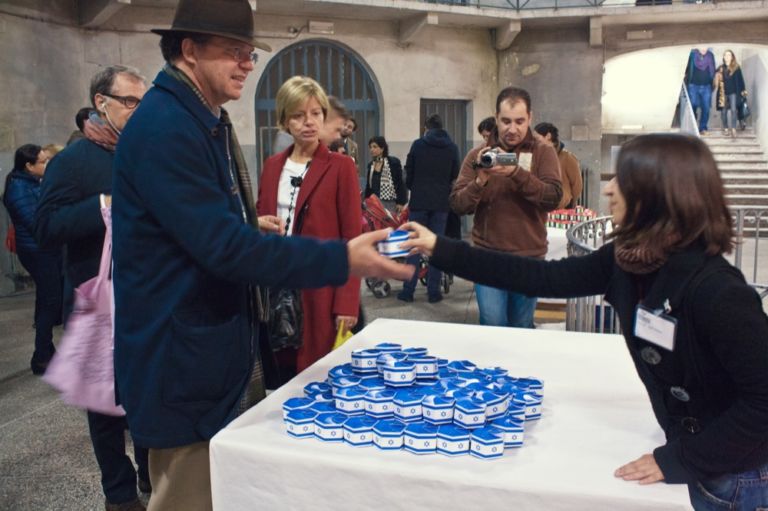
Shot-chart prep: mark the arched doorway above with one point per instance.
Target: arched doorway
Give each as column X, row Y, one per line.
column 340, row 71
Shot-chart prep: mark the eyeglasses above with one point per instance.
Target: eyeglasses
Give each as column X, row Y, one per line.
column 129, row 102
column 239, row 54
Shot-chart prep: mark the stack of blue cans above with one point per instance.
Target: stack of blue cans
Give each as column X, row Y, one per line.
column 397, row 398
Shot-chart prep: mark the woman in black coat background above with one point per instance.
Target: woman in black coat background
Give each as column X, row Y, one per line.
column 730, row 92
column 22, row 194
column 708, row 379
column 385, row 176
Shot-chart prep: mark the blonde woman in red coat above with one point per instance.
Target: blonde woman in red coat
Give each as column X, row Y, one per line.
column 315, row 193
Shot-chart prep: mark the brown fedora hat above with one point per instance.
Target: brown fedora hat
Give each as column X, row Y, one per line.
column 226, row 18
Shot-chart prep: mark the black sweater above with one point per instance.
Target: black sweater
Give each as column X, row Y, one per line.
column 719, row 424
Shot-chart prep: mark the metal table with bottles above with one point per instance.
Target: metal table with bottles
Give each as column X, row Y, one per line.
column 596, row 416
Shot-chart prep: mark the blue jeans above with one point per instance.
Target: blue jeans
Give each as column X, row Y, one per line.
column 733, row 102
column 499, row 307
column 434, row 221
column 701, row 97
column 118, row 477
column 745, row 491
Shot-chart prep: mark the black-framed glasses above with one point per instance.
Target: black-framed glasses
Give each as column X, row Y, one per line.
column 129, row 102
column 239, row 54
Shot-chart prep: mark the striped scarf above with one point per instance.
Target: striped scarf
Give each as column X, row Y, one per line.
column 255, row 390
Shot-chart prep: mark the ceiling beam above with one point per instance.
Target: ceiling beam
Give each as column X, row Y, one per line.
column 94, row 13
column 506, row 34
column 410, row 28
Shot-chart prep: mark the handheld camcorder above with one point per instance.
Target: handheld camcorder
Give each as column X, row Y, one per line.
column 492, row 159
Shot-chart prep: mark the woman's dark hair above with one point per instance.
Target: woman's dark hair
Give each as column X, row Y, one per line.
column 27, row 153
column 486, row 124
column 381, row 142
column 170, row 43
column 674, row 195
column 544, row 128
column 513, row 95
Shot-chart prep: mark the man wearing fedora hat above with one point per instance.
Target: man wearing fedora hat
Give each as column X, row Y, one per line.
column 187, row 254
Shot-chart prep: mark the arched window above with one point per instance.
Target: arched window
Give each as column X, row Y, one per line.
column 340, row 71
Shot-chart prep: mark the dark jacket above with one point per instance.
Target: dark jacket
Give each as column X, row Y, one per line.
column 22, row 193
column 710, row 394
column 373, row 181
column 69, row 213
column 431, row 168
column 184, row 257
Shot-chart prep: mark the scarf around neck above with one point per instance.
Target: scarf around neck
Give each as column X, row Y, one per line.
column 638, row 260
column 100, row 133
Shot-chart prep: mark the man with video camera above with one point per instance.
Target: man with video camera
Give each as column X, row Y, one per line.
column 510, row 197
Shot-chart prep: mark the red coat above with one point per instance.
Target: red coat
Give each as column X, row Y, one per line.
column 333, row 211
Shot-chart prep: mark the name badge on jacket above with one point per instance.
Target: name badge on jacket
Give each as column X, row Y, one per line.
column 655, row 327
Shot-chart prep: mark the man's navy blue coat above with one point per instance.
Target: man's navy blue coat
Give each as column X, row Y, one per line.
column 183, row 259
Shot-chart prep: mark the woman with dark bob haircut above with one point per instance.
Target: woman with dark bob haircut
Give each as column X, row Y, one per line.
column 385, row 176
column 707, row 379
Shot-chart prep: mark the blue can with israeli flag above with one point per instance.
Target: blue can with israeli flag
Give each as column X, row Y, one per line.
column 301, row 423
column 408, row 406
column 344, row 382
column 495, row 404
column 533, row 403
column 452, row 440
column 513, row 430
column 388, row 347
column 324, row 397
column 458, row 393
column 442, row 363
column 388, row 434
column 420, row 438
column 516, row 410
column 340, row 371
column 329, row 427
column 426, row 367
column 494, row 372
column 437, row 409
column 391, row 246
column 351, row 401
column 372, row 383
column 487, row 443
column 399, row 374
column 379, row 403
column 533, row 384
column 389, row 358
column 316, row 387
column 324, row 406
column 296, row 403
column 415, row 352
column 469, row 413
column 358, row 431
column 364, row 361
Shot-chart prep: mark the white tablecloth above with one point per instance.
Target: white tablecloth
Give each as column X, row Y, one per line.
column 596, row 417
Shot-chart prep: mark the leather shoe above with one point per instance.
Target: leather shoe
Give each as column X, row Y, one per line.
column 134, row 505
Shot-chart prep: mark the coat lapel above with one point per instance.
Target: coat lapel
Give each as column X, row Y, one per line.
column 317, row 169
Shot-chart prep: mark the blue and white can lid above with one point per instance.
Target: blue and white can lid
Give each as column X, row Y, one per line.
column 420, row 429
column 301, row 416
column 389, row 427
column 333, row 419
column 388, row 347
column 360, row 423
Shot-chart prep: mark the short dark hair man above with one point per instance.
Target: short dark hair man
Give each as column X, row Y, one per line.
column 187, row 254
column 349, row 129
column 431, row 167
column 510, row 203
column 485, row 128
column 77, row 182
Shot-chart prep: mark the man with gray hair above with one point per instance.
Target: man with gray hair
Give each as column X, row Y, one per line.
column 78, row 182
column 188, row 254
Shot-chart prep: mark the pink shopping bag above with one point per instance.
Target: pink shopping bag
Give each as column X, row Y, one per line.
column 82, row 369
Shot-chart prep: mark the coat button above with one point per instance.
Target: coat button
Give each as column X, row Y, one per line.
column 650, row 355
column 690, row 424
column 680, row 393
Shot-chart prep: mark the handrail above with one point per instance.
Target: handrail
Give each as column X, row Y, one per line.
column 529, row 5
column 688, row 123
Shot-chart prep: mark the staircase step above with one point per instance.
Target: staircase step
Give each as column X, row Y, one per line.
column 735, row 156
column 743, row 167
column 744, row 179
column 734, row 149
column 757, row 201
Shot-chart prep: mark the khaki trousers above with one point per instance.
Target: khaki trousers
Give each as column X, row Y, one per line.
column 181, row 478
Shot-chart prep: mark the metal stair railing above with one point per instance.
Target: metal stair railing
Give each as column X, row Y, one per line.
column 594, row 314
